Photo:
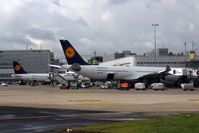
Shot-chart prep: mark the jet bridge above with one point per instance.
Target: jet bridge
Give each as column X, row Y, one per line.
column 179, row 76
column 180, row 72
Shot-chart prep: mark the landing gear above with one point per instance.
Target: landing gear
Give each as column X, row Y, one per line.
column 146, row 82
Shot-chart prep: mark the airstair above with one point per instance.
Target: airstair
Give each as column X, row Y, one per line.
column 60, row 79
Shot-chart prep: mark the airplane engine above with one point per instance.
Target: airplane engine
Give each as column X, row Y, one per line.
column 173, row 80
column 76, row 67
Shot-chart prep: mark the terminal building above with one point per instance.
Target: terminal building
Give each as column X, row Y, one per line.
column 33, row 61
column 163, row 58
column 161, row 61
column 95, row 60
column 118, row 55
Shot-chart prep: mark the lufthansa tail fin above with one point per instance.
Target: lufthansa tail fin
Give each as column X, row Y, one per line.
column 18, row 68
column 71, row 54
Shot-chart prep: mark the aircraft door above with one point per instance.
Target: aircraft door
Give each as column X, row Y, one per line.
column 110, row 76
column 51, row 76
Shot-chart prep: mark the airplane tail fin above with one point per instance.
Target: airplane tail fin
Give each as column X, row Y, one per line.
column 18, row 68
column 72, row 56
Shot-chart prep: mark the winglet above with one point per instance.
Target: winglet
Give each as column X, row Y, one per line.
column 72, row 56
column 167, row 69
column 18, row 68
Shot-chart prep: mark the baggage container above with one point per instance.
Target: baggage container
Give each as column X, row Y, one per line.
column 158, row 86
column 187, row 86
column 140, row 86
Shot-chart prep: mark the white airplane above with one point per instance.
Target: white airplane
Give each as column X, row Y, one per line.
column 21, row 74
column 134, row 74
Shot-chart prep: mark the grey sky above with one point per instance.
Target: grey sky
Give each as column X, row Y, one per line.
column 102, row 25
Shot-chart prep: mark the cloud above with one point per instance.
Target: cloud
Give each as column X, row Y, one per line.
column 118, row 1
column 35, row 31
column 102, row 25
column 57, row 3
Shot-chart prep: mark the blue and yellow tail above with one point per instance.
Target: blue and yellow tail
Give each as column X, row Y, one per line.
column 18, row 68
column 71, row 54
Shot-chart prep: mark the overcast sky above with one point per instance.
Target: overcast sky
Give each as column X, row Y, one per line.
column 102, row 25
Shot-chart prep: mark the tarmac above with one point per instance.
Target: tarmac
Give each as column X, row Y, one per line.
column 44, row 109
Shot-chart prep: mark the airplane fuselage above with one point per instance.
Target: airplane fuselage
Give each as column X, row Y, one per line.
column 33, row 77
column 119, row 72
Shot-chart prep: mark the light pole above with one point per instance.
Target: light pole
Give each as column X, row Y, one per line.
column 185, row 53
column 155, row 25
column 193, row 49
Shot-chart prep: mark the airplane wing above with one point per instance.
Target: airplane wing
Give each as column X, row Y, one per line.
column 55, row 66
column 160, row 74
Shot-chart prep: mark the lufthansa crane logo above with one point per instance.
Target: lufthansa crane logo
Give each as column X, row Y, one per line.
column 17, row 67
column 70, row 52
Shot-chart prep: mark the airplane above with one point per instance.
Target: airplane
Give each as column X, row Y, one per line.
column 133, row 74
column 21, row 74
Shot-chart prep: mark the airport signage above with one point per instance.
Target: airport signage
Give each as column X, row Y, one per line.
column 192, row 55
